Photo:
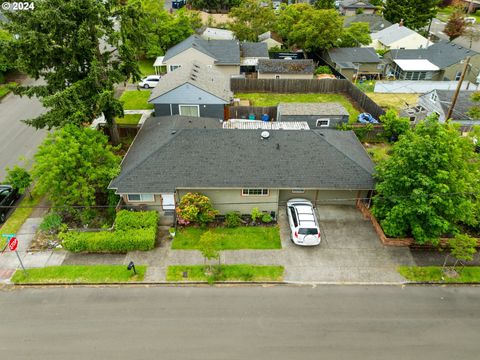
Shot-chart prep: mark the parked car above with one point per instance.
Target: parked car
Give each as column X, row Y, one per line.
column 470, row 20
column 178, row 4
column 8, row 196
column 304, row 228
column 149, row 82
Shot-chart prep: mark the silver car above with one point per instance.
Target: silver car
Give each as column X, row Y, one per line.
column 149, row 82
column 304, row 228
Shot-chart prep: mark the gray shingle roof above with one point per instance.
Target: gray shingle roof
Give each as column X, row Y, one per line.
column 221, row 158
column 354, row 55
column 326, row 108
column 251, row 49
column 443, row 54
column 283, row 66
column 375, row 22
column 356, row 4
column 196, row 74
column 462, row 106
column 394, row 33
column 225, row 52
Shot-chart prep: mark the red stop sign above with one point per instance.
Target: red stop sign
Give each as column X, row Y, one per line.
column 13, row 243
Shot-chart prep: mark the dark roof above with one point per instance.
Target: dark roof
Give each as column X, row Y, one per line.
column 357, row 4
column 443, row 54
column 320, row 108
column 251, row 49
column 354, row 55
column 375, row 22
column 462, row 106
column 162, row 160
column 225, row 52
column 284, row 66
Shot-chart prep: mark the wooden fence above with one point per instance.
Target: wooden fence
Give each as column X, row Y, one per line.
column 326, row 86
column 243, row 112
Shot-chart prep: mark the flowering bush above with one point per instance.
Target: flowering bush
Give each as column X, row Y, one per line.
column 196, row 208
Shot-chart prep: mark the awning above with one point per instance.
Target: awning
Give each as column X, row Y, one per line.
column 416, row 65
column 159, row 61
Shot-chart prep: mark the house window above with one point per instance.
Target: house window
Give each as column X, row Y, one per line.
column 255, row 192
column 433, row 97
column 140, row 197
column 458, row 75
column 323, row 122
column 298, row 191
column 189, row 110
column 277, row 76
column 174, row 67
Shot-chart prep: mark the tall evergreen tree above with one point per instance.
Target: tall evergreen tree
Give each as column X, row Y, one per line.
column 415, row 14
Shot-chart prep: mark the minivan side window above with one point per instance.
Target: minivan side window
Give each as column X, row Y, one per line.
column 294, row 216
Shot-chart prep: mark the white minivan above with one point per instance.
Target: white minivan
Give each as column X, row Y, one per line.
column 304, row 228
column 149, row 82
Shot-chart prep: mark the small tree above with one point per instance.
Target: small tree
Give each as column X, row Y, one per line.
column 462, row 248
column 456, row 25
column 208, row 248
column 20, row 179
column 196, row 208
column 394, row 125
column 323, row 69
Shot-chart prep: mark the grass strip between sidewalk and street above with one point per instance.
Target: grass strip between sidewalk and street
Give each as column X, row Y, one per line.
column 23, row 211
column 77, row 274
column 241, row 272
column 230, row 238
column 468, row 274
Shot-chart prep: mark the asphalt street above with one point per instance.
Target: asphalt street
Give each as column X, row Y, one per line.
column 18, row 140
column 326, row 322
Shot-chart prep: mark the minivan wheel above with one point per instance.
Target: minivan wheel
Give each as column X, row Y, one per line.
column 146, row 86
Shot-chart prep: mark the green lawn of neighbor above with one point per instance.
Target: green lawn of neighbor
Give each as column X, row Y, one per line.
column 378, row 151
column 129, row 119
column 136, row 100
column 434, row 274
column 225, row 273
column 146, row 67
column 80, row 274
column 269, row 99
column 19, row 215
column 231, row 238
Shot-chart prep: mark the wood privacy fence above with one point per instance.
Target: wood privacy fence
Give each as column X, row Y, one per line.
column 243, row 112
column 325, row 86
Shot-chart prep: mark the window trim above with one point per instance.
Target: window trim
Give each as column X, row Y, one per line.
column 245, row 191
column 327, row 120
column 152, row 199
column 188, row 105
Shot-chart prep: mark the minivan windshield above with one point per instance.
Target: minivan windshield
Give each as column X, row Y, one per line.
column 308, row 231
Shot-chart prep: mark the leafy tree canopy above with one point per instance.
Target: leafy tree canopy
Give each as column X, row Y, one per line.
column 73, row 164
column 324, row 4
column 430, row 183
column 415, row 14
column 356, row 35
column 214, row 4
column 252, row 18
column 19, row 178
column 456, row 25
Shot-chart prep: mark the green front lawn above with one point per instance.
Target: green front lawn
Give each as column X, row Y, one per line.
column 19, row 215
column 225, row 273
column 129, row 119
column 231, row 239
column 80, row 274
column 269, row 99
column 434, row 274
column 136, row 100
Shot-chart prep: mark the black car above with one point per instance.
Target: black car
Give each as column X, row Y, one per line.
column 8, row 196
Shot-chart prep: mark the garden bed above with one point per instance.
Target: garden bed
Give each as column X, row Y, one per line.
column 240, row 272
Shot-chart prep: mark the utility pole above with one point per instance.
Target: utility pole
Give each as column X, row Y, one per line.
column 457, row 91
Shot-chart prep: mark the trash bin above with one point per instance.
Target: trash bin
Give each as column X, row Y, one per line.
column 265, row 117
column 251, row 116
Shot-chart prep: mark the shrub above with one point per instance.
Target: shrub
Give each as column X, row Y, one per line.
column 267, row 218
column 127, row 220
column 195, row 207
column 19, row 178
column 324, row 69
column 256, row 214
column 51, row 223
column 233, row 219
column 394, row 125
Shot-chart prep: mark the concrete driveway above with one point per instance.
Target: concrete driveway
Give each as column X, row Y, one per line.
column 350, row 250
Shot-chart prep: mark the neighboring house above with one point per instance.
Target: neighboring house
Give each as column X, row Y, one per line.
column 443, row 61
column 195, row 90
column 243, row 169
column 285, row 69
column 374, row 21
column 354, row 62
column 223, row 55
column 250, row 54
column 353, row 7
column 316, row 115
column 398, row 37
column 210, row 33
column 271, row 38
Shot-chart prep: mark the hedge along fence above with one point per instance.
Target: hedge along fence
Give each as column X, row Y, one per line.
column 133, row 231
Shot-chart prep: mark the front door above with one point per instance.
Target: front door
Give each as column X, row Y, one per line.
column 168, row 201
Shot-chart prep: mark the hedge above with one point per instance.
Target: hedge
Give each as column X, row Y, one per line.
column 135, row 231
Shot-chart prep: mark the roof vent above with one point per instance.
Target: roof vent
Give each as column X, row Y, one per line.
column 173, row 132
column 265, row 135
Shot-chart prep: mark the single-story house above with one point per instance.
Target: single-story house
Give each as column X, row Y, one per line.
column 195, row 90
column 250, row 53
column 210, row 33
column 352, row 7
column 443, row 61
column 375, row 22
column 354, row 62
column 398, row 36
column 224, row 55
column 285, row 69
column 272, row 39
column 317, row 115
column 243, row 169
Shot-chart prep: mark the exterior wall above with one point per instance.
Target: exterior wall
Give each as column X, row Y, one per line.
column 472, row 72
column 432, row 106
column 312, row 119
column 348, row 73
column 189, row 94
column 325, row 197
column 226, row 200
column 187, row 56
column 285, row 76
column 271, row 43
column 414, row 41
column 286, row 195
column 363, row 68
column 213, row 111
column 228, row 70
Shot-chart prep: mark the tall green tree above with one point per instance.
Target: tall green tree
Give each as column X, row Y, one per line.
column 82, row 48
column 429, row 185
column 214, row 4
column 356, row 35
column 73, row 165
column 5, row 63
column 415, row 14
column 252, row 18
column 324, row 4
